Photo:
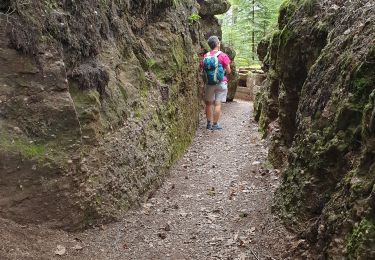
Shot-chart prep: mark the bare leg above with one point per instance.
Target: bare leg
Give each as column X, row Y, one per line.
column 217, row 111
column 209, row 105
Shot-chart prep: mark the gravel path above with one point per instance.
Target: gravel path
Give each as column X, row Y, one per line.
column 214, row 205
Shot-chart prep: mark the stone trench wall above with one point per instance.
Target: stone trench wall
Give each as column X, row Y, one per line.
column 98, row 98
column 317, row 107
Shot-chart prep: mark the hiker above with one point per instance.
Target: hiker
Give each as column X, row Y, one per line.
column 215, row 65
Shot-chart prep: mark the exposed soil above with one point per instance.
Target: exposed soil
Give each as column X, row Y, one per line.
column 214, row 205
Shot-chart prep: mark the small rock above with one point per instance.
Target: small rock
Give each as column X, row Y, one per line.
column 77, row 247
column 162, row 235
column 251, row 230
column 60, row 250
column 17, row 130
column 243, row 214
column 211, row 193
column 167, row 227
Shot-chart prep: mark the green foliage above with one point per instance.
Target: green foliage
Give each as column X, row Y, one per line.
column 151, row 62
column 246, row 23
column 363, row 233
column 193, row 18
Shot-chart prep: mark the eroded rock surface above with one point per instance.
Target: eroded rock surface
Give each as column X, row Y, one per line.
column 97, row 100
column 318, row 105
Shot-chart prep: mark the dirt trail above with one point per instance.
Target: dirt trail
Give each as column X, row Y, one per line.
column 214, row 205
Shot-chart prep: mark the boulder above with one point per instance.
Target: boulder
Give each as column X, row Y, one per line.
column 210, row 26
column 213, row 7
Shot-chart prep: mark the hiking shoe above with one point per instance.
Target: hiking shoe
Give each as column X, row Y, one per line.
column 209, row 126
column 216, row 127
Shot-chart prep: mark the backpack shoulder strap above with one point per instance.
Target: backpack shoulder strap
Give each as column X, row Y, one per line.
column 218, row 53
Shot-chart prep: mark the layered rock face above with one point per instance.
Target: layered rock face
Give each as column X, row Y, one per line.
column 318, row 105
column 97, row 100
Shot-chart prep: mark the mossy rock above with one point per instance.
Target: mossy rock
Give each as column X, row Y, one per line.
column 363, row 80
column 361, row 242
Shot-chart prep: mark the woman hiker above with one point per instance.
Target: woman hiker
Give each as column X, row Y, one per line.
column 216, row 89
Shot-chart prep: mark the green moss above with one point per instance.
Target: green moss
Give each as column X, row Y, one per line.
column 178, row 55
column 310, row 6
column 322, row 27
column 362, row 237
column 83, row 98
column 151, row 62
column 26, row 148
column 286, row 37
column 123, row 92
column 179, row 141
column 50, row 5
column 271, row 74
column 284, row 6
column 155, row 121
column 179, row 130
column 364, row 78
column 349, row 115
column 138, row 112
column 287, row 9
column 274, row 47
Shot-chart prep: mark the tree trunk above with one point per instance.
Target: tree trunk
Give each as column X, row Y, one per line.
column 253, row 33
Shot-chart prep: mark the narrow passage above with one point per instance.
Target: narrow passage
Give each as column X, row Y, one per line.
column 214, row 205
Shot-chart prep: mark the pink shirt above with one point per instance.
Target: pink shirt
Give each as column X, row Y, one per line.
column 223, row 60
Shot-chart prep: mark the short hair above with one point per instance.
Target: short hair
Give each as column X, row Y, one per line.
column 213, row 41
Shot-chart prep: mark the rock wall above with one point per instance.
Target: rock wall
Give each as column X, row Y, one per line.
column 98, row 98
column 233, row 76
column 317, row 106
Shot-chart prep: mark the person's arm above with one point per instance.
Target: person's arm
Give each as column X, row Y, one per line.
column 228, row 70
column 226, row 64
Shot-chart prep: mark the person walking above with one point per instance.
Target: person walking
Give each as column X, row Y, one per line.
column 216, row 65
